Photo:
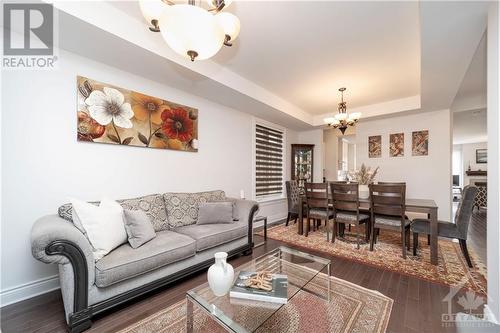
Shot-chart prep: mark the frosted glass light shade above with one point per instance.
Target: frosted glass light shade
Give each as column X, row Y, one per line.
column 229, row 23
column 152, row 9
column 191, row 28
column 331, row 121
column 341, row 116
column 355, row 115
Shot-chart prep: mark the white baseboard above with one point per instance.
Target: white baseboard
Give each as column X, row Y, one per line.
column 28, row 290
column 490, row 315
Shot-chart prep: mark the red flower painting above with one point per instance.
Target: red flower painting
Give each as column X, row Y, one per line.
column 177, row 124
column 113, row 115
column 88, row 128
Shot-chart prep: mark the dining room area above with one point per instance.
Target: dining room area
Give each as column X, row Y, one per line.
column 386, row 229
column 392, row 242
column 383, row 200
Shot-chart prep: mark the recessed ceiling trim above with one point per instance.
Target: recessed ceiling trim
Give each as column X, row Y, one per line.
column 379, row 109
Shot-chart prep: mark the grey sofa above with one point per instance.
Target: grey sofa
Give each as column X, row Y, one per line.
column 179, row 249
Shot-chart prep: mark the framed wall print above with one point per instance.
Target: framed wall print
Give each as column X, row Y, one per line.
column 481, row 156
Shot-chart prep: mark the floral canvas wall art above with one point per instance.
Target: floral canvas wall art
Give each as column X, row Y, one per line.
column 420, row 143
column 397, row 144
column 108, row 114
column 375, row 146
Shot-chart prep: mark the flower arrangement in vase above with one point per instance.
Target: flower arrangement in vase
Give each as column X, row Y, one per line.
column 364, row 176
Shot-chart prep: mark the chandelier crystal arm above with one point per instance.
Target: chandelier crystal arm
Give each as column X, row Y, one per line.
column 342, row 120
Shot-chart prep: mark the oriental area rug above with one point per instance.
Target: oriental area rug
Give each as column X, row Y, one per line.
column 351, row 309
column 452, row 269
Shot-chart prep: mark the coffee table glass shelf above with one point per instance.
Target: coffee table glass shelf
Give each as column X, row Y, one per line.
column 241, row 315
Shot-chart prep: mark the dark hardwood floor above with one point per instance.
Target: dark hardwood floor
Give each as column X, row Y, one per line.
column 418, row 304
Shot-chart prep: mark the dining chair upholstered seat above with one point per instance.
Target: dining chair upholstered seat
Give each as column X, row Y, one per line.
column 390, row 221
column 457, row 230
column 445, row 229
column 318, row 213
column 350, row 217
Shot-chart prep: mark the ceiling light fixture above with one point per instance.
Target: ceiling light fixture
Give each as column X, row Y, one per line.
column 195, row 30
column 342, row 119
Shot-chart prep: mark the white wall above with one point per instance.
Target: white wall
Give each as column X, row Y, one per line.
column 469, row 158
column 493, row 244
column 426, row 177
column 351, row 156
column 457, row 163
column 331, row 154
column 43, row 164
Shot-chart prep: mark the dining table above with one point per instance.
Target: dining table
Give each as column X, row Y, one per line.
column 426, row 206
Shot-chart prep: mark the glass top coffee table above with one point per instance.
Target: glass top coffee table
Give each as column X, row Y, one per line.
column 241, row 315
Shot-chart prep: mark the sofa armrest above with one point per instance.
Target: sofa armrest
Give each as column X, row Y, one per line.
column 245, row 211
column 57, row 241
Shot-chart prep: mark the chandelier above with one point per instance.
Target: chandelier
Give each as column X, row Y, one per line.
column 342, row 119
column 196, row 29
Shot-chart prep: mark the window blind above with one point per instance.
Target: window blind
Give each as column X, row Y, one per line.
column 269, row 161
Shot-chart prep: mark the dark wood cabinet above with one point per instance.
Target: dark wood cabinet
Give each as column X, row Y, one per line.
column 302, row 164
column 476, row 173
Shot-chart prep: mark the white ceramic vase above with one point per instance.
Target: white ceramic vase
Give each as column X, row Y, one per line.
column 364, row 192
column 220, row 275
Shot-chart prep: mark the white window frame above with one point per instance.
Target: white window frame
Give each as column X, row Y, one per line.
column 270, row 197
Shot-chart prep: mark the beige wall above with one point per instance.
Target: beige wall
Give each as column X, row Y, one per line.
column 427, row 177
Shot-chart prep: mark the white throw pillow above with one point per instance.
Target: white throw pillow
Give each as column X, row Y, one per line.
column 103, row 224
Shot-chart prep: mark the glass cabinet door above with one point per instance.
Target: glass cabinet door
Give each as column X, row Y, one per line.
column 302, row 164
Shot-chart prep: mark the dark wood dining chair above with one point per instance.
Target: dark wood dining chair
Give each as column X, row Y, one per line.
column 317, row 205
column 345, row 202
column 404, row 183
column 340, row 182
column 400, row 183
column 388, row 206
column 293, row 200
column 457, row 230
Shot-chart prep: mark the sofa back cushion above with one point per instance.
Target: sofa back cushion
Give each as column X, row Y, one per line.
column 182, row 208
column 153, row 205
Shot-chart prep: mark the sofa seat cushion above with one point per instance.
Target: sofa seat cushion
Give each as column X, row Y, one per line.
column 124, row 262
column 211, row 235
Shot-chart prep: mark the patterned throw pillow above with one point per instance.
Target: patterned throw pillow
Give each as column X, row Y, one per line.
column 153, row 205
column 182, row 208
